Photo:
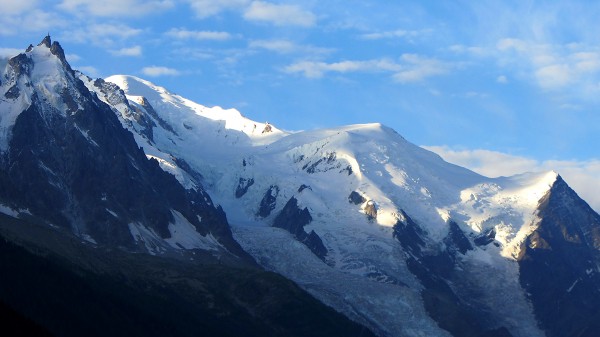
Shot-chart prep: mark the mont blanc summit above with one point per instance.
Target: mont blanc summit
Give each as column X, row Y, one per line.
column 386, row 233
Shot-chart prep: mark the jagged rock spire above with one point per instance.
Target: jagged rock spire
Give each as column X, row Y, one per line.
column 46, row 41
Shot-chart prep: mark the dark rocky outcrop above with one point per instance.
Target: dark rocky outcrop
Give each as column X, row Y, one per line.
column 46, row 41
column 347, row 169
column 456, row 241
column 559, row 264
column 115, row 96
column 150, row 110
column 371, row 210
column 356, row 198
column 436, row 270
column 21, row 64
column 268, row 202
column 485, row 238
column 303, row 187
column 242, row 187
column 329, row 159
column 268, row 128
column 293, row 219
column 13, row 92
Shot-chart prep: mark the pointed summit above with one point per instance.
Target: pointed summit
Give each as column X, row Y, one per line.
column 57, row 50
column 46, row 41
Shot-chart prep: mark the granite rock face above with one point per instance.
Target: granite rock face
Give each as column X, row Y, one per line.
column 560, row 263
column 293, row 219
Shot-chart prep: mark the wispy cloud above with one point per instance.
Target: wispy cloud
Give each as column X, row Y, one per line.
column 73, row 57
column 89, row 71
column 417, row 68
column 207, row 8
column 17, row 7
column 102, row 34
column 469, row 50
column 130, row 51
column 399, row 33
column 112, row 8
column 10, row 52
column 156, row 71
column 582, row 176
column 553, row 66
column 409, row 68
column 279, row 15
column 184, row 34
column 313, row 69
column 34, row 20
column 288, row 47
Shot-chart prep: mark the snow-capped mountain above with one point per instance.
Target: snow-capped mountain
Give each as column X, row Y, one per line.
column 65, row 160
column 97, row 239
column 382, row 230
column 385, row 232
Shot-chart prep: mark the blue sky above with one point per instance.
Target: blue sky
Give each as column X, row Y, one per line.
column 498, row 86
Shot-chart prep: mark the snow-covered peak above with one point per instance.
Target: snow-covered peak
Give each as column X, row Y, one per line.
column 176, row 110
column 393, row 176
column 40, row 70
column 507, row 205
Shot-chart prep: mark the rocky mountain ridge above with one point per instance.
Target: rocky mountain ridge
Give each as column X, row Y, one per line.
column 390, row 220
column 380, row 229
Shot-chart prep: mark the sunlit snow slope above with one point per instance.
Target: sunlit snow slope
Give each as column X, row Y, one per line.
column 361, row 186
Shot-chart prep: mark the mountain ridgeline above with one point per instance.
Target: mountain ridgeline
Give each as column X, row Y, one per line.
column 166, row 217
column 81, row 187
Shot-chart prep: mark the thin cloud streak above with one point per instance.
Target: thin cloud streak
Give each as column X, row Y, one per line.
column 131, row 51
column 115, row 8
column 410, row 68
column 156, row 71
column 279, row 15
column 184, row 34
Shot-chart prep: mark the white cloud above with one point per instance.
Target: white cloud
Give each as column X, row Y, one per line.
column 279, row 46
column 31, row 21
column 582, row 176
column 89, row 71
column 73, row 57
column 207, row 8
column 417, row 68
column 131, row 51
column 411, row 68
column 554, row 76
column 400, row 33
column 462, row 49
column 184, row 34
column 10, row 52
column 554, row 67
column 287, row 47
column 102, row 34
column 12, row 7
column 502, row 79
column 279, row 15
column 155, row 71
column 313, row 69
column 112, row 8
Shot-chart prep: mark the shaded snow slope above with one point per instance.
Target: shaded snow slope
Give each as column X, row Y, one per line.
column 252, row 175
